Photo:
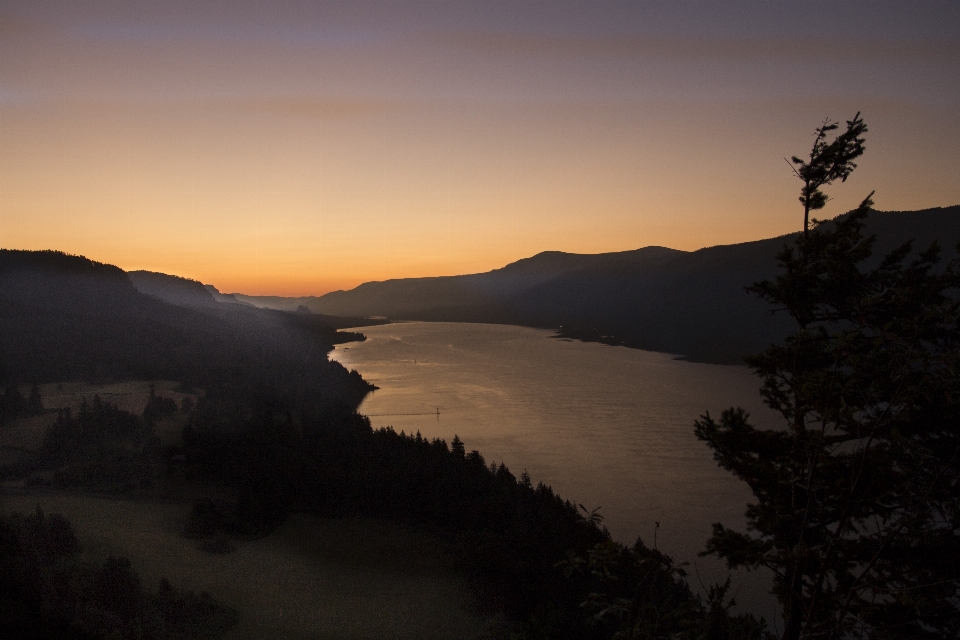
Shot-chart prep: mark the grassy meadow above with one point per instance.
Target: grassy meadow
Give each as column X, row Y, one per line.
column 311, row 578
column 27, row 433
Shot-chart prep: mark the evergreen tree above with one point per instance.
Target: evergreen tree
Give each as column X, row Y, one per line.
column 857, row 508
column 829, row 161
column 36, row 401
column 12, row 404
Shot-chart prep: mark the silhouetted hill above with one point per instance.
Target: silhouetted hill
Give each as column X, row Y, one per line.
column 695, row 304
column 184, row 292
column 280, row 303
column 66, row 317
column 689, row 303
column 527, row 273
column 306, row 304
column 481, row 297
column 227, row 298
column 173, row 289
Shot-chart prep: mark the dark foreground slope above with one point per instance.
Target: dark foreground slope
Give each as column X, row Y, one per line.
column 66, row 317
column 688, row 303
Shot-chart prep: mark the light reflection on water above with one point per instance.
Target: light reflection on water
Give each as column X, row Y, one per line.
column 604, row 426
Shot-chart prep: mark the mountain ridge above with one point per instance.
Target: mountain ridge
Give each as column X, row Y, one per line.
column 688, row 303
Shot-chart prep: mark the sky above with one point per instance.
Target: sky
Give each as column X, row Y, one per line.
column 293, row 148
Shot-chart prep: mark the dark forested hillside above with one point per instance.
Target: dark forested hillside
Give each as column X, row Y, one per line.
column 66, row 317
column 173, row 289
column 688, row 303
column 695, row 304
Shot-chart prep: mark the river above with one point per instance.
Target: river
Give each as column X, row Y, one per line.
column 606, row 427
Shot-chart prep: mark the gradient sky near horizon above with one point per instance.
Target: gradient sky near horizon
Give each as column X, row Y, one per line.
column 293, row 148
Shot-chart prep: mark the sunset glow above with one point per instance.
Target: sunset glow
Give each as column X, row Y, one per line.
column 296, row 148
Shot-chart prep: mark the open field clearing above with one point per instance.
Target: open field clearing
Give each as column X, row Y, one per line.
column 312, row 578
column 130, row 396
column 26, row 433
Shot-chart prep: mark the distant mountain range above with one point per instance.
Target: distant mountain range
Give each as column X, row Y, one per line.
column 690, row 303
column 184, row 292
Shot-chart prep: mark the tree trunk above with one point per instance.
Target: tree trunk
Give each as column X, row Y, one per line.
column 793, row 609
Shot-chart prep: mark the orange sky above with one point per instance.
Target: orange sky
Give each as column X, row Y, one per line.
column 296, row 148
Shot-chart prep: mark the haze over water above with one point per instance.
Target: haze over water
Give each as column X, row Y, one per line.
column 607, row 427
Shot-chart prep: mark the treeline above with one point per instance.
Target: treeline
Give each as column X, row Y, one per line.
column 100, row 447
column 47, row 592
column 104, row 448
column 14, row 405
column 550, row 567
column 319, row 326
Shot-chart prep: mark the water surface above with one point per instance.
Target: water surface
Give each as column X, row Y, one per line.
column 607, row 427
